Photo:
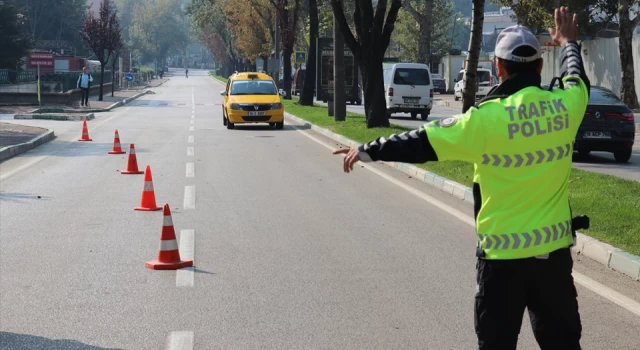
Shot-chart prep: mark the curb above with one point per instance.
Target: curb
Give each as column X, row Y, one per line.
column 606, row 254
column 124, row 102
column 11, row 151
column 55, row 116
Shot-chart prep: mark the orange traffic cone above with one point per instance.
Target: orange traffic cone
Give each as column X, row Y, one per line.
column 85, row 132
column 132, row 164
column 168, row 256
column 117, row 149
column 148, row 201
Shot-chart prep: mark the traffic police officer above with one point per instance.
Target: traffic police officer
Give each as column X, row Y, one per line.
column 520, row 140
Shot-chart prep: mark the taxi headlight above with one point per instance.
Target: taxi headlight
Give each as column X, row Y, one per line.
column 276, row 106
column 235, row 106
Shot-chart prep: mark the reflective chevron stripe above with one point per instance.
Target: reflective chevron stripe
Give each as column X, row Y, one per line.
column 518, row 160
column 524, row 240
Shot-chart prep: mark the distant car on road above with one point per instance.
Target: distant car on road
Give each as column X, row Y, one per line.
column 485, row 82
column 607, row 126
column 252, row 98
column 439, row 84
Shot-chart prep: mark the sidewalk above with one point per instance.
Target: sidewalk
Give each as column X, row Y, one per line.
column 16, row 139
column 94, row 104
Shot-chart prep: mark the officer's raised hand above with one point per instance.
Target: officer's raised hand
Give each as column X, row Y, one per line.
column 566, row 26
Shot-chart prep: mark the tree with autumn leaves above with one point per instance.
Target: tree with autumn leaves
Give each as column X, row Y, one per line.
column 103, row 36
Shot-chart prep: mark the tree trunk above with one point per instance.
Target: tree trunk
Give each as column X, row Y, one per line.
column 306, row 98
column 101, row 80
column 339, row 103
column 286, row 75
column 625, row 45
column 470, row 75
column 373, row 85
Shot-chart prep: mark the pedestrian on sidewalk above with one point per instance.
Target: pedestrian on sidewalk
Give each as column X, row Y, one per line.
column 84, row 84
column 522, row 212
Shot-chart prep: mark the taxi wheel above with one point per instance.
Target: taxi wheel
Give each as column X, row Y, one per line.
column 224, row 120
column 230, row 125
column 280, row 125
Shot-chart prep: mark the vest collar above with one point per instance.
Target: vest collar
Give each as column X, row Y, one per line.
column 512, row 85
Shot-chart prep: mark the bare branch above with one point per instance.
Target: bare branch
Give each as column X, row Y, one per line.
column 390, row 23
column 378, row 20
column 336, row 5
column 406, row 5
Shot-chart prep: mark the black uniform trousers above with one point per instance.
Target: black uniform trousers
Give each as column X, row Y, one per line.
column 543, row 286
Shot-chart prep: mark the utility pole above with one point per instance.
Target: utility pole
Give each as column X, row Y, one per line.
column 339, row 104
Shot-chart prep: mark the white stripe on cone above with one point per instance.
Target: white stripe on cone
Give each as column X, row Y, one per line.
column 148, row 186
column 132, row 150
column 168, row 245
column 167, row 221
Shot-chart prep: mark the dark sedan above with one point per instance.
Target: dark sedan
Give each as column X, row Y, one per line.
column 608, row 126
column 439, row 85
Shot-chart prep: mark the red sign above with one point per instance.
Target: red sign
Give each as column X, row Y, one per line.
column 42, row 63
column 41, row 56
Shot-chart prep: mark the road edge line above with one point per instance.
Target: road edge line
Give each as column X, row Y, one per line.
column 611, row 257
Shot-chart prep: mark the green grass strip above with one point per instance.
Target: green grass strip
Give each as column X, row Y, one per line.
column 613, row 204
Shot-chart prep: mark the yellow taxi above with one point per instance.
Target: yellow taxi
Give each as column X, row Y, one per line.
column 252, row 98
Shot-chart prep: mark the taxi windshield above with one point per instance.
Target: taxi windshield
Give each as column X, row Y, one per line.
column 253, row 87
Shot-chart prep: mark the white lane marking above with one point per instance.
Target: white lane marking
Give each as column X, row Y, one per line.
column 585, row 281
column 191, row 139
column 189, row 197
column 193, row 117
column 192, row 128
column 185, row 276
column 193, row 97
column 192, row 122
column 36, row 160
column 190, row 152
column 623, row 301
column 181, row 340
column 191, row 170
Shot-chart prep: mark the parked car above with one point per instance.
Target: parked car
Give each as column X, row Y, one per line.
column 439, row 84
column 607, row 126
column 485, row 83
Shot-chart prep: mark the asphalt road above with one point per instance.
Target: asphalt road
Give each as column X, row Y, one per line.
column 600, row 162
column 290, row 253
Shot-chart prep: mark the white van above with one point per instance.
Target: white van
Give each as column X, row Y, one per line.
column 408, row 89
column 486, row 81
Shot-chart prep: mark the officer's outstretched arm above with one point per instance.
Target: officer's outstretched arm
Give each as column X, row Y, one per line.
column 459, row 137
column 409, row 147
column 573, row 67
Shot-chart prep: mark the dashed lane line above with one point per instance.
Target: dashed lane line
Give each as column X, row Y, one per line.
column 182, row 340
column 185, row 276
column 189, row 197
column 190, row 170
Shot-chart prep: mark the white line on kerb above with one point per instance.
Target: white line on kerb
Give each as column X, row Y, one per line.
column 185, row 276
column 191, row 139
column 190, row 152
column 191, row 170
column 180, row 340
column 192, row 128
column 189, row 197
column 585, row 281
